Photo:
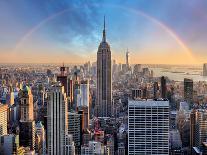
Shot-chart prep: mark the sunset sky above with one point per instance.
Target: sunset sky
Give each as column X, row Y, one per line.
column 55, row 31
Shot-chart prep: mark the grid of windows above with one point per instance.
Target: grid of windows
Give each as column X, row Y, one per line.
column 148, row 127
column 3, row 119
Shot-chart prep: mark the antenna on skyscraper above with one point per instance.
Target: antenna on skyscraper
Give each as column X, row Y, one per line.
column 104, row 31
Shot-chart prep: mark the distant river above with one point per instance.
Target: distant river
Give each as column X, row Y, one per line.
column 178, row 73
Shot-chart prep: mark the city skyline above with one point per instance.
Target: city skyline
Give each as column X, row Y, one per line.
column 53, row 32
column 103, row 77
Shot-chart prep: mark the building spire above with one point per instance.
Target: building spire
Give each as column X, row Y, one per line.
column 104, row 32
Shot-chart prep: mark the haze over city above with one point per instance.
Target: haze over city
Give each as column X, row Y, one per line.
column 155, row 32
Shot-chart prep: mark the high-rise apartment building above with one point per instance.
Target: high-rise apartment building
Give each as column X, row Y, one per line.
column 57, row 120
column 104, row 78
column 148, row 127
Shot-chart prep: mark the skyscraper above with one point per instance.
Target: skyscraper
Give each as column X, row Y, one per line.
column 163, row 87
column 3, row 119
column 27, row 123
column 188, row 90
column 63, row 79
column 26, row 104
column 205, row 69
column 127, row 59
column 57, row 120
column 75, row 126
column 84, row 93
column 67, row 83
column 104, row 84
column 148, row 127
column 198, row 128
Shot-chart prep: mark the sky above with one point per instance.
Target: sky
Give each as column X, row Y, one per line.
column 70, row 31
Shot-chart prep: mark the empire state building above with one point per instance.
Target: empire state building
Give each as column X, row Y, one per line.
column 104, row 86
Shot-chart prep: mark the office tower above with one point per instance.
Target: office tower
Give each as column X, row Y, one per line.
column 67, row 83
column 104, row 84
column 9, row 144
column 27, row 123
column 148, row 127
column 75, row 126
column 84, row 92
column 136, row 93
column 3, row 119
column 163, row 87
column 155, row 89
column 83, row 102
column 127, row 58
column 205, row 69
column 183, row 124
column 76, row 94
column 57, row 120
column 70, row 147
column 198, row 128
column 188, row 90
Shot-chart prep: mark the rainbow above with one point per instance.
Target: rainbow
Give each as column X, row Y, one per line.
column 163, row 26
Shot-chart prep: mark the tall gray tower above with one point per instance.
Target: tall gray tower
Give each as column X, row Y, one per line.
column 57, row 119
column 127, row 59
column 104, row 86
